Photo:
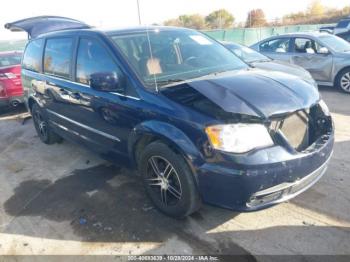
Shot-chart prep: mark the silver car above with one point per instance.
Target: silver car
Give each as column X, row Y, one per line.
column 257, row 60
column 325, row 56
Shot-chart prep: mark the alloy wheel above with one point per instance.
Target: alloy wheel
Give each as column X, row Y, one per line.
column 41, row 124
column 345, row 82
column 163, row 181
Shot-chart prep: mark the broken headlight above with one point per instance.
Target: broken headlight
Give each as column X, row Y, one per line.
column 238, row 138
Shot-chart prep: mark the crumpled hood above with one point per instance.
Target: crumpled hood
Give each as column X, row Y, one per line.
column 257, row 93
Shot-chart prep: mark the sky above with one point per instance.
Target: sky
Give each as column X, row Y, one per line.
column 118, row 13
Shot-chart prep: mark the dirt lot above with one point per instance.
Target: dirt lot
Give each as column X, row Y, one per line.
column 62, row 199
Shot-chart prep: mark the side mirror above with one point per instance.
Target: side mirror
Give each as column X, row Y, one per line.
column 106, row 81
column 323, row 50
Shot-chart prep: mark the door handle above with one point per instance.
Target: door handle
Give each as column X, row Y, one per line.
column 76, row 95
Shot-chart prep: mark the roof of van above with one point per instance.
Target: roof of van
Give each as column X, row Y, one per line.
column 121, row 31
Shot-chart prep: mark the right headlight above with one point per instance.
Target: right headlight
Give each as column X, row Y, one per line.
column 324, row 107
column 238, row 138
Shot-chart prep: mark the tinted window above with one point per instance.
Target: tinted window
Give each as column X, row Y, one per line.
column 32, row 55
column 93, row 58
column 345, row 36
column 10, row 60
column 343, row 24
column 57, row 56
column 280, row 45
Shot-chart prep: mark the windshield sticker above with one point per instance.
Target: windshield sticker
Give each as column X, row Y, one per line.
column 201, row 40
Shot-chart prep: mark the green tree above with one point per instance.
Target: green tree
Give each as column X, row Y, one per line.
column 173, row 22
column 194, row 21
column 316, row 8
column 220, row 19
column 256, row 18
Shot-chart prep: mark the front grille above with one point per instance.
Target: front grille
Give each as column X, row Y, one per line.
column 295, row 129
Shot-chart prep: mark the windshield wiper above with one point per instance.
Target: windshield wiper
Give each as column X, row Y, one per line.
column 169, row 81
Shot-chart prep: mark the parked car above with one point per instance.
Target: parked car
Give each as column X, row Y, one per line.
column 327, row 29
column 325, row 56
column 257, row 60
column 341, row 27
column 11, row 91
column 195, row 120
column 345, row 36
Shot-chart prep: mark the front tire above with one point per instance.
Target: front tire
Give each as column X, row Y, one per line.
column 168, row 181
column 343, row 80
column 41, row 124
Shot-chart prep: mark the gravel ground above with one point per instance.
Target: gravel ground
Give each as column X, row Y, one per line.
column 62, row 199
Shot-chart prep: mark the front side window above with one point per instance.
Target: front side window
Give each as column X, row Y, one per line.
column 32, row 55
column 10, row 60
column 162, row 57
column 306, row 45
column 93, row 59
column 57, row 57
column 280, row 45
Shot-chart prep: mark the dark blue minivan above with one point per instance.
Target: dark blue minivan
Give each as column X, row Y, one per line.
column 198, row 123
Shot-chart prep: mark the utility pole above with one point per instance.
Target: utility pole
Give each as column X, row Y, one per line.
column 138, row 11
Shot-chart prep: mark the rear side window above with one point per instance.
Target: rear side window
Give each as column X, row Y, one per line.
column 57, row 57
column 10, row 60
column 93, row 58
column 280, row 45
column 32, row 55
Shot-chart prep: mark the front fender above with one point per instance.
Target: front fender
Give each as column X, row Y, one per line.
column 170, row 134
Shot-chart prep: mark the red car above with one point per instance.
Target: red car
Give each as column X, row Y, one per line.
column 11, row 91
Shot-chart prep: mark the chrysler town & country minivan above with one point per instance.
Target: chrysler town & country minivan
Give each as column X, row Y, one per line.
column 196, row 121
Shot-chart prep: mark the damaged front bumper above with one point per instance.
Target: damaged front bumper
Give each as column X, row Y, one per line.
column 264, row 177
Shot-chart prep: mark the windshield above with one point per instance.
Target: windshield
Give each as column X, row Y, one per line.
column 162, row 57
column 335, row 43
column 10, row 60
column 248, row 55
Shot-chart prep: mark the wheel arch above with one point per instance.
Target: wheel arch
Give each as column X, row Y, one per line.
column 31, row 102
column 152, row 131
column 338, row 74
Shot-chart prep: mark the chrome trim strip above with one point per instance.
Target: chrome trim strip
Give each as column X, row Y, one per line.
column 322, row 169
column 85, row 126
column 71, row 131
column 84, row 85
column 131, row 97
column 310, row 177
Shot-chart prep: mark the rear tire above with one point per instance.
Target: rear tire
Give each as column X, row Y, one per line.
column 343, row 80
column 41, row 124
column 168, row 181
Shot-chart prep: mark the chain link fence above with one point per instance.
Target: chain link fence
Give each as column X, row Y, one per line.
column 249, row 36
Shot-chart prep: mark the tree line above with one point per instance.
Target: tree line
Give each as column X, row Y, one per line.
column 316, row 13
